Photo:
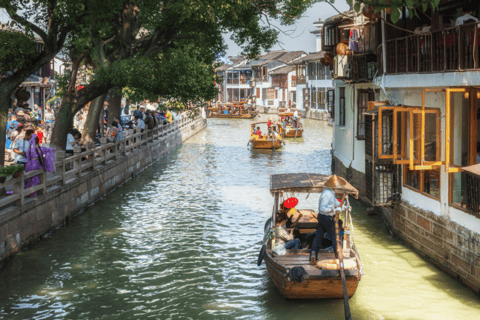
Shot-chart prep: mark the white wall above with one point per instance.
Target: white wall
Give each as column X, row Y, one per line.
column 347, row 148
column 441, row 207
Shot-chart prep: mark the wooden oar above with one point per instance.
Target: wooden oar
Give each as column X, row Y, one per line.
column 348, row 316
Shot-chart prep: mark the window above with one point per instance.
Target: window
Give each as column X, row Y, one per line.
column 270, row 94
column 331, row 103
column 425, row 181
column 328, row 72
column 320, row 71
column 258, row 93
column 312, row 70
column 294, row 81
column 264, row 93
column 321, row 98
column 341, row 113
column 314, row 98
column 364, row 96
column 462, row 118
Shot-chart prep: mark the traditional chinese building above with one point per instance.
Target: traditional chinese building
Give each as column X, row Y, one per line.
column 407, row 126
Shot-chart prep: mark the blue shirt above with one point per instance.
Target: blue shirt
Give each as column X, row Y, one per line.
column 327, row 202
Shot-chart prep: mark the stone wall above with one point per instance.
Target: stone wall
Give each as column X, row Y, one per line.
column 444, row 243
column 449, row 246
column 22, row 225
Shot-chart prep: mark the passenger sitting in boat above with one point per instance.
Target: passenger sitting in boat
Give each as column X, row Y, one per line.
column 332, row 238
column 269, row 123
column 283, row 236
column 327, row 207
column 258, row 133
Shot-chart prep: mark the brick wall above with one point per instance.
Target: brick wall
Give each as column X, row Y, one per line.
column 440, row 241
column 20, row 226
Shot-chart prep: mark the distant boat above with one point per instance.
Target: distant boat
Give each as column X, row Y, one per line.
column 267, row 141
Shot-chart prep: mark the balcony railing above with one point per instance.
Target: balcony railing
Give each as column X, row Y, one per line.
column 261, row 79
column 454, row 49
column 301, row 80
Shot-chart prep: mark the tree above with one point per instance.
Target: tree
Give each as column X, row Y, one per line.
column 144, row 29
column 396, row 6
column 48, row 22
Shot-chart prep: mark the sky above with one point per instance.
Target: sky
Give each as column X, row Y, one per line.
column 301, row 39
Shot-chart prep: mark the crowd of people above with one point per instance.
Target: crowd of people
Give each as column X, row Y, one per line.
column 23, row 120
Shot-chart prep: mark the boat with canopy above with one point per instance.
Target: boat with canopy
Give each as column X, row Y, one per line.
column 291, row 131
column 270, row 138
column 291, row 270
column 232, row 110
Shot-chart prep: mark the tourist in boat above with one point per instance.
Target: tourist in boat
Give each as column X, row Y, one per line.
column 269, row 122
column 328, row 205
column 283, row 237
column 258, row 133
column 466, row 16
column 295, row 119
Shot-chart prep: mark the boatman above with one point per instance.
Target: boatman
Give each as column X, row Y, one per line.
column 328, row 206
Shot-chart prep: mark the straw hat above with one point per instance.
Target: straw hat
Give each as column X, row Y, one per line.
column 335, row 182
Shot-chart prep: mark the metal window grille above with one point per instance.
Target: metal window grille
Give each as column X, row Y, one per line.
column 472, row 194
column 382, row 183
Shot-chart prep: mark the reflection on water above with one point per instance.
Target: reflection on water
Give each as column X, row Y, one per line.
column 181, row 240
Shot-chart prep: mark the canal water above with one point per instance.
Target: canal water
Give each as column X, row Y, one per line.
column 180, row 241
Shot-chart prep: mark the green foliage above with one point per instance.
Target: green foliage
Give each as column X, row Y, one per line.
column 16, row 50
column 397, row 5
column 10, row 170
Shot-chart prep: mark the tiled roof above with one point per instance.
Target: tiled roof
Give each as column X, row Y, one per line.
column 350, row 14
column 282, row 70
column 290, row 56
column 311, row 57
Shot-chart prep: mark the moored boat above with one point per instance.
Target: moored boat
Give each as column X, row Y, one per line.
column 291, row 272
column 291, row 132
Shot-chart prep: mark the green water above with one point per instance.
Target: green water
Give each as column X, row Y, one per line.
column 180, row 241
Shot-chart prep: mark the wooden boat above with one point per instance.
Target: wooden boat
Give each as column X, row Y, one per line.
column 291, row 132
column 234, row 111
column 319, row 283
column 289, row 114
column 266, row 142
column 252, row 115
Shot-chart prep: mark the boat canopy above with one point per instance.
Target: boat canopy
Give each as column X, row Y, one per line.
column 306, row 182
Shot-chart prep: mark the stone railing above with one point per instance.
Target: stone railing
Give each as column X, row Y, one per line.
column 69, row 169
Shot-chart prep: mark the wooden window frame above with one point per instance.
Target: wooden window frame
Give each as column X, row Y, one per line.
column 332, row 113
column 341, row 113
column 404, row 158
column 449, row 166
column 422, row 182
column 360, row 93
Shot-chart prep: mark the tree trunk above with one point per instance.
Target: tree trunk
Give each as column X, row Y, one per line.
column 62, row 125
column 4, row 100
column 115, row 104
column 91, row 123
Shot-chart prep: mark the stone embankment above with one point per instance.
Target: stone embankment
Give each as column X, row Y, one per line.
column 80, row 180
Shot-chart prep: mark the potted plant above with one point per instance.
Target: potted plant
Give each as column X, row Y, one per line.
column 6, row 173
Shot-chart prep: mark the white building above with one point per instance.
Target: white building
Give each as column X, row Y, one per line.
column 409, row 137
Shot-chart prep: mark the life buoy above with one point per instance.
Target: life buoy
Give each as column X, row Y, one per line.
column 334, row 264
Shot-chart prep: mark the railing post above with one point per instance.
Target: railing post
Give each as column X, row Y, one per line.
column 18, row 188
column 103, row 150
column 116, row 144
column 91, row 156
column 77, row 165
column 60, row 157
column 43, row 181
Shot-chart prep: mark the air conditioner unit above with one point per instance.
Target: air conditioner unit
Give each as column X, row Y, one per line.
column 342, row 67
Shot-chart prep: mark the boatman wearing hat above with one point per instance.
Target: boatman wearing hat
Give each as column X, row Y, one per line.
column 328, row 206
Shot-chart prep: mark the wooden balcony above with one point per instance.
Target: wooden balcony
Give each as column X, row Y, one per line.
column 449, row 50
column 301, row 80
